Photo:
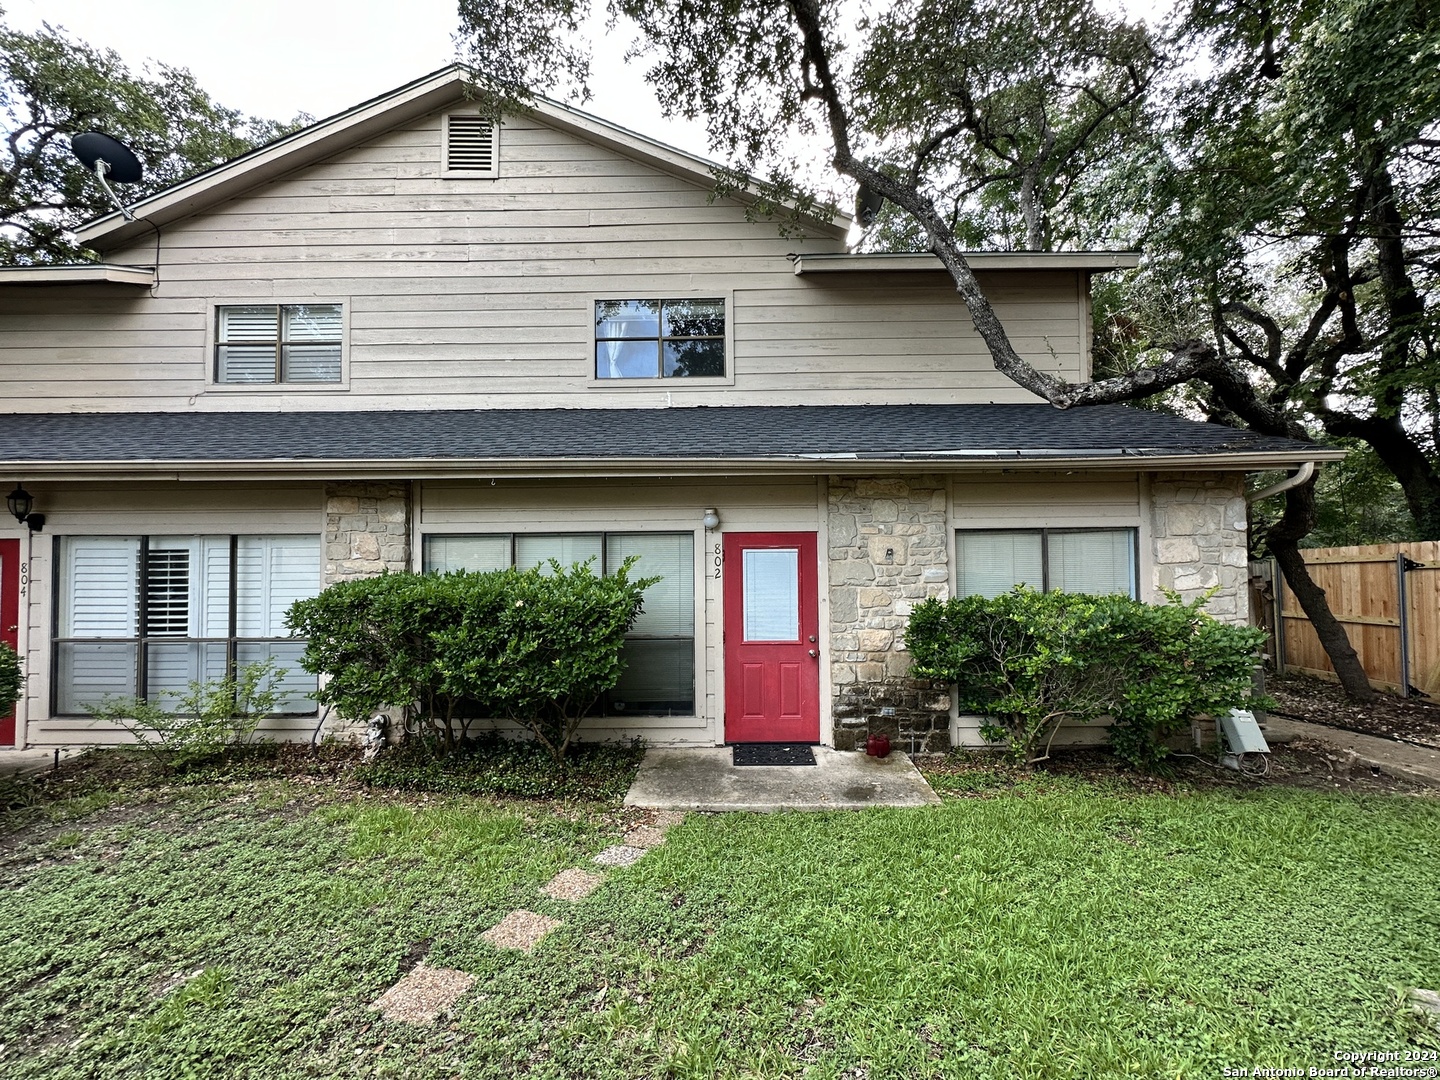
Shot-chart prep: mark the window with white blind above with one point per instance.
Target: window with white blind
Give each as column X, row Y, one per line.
column 278, row 343
column 659, row 678
column 146, row 616
column 1097, row 561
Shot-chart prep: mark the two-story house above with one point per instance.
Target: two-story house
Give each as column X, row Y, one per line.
column 411, row 338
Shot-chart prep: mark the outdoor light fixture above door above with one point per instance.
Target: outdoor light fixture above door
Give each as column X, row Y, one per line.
column 20, row 503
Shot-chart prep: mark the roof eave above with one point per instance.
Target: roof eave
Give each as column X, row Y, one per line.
column 1093, row 261
column 78, row 274
column 439, row 468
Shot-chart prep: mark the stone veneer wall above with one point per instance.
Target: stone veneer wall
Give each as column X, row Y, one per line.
column 1199, row 530
column 889, row 549
column 367, row 529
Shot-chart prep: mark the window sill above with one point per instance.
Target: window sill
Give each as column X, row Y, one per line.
column 661, row 384
column 277, row 388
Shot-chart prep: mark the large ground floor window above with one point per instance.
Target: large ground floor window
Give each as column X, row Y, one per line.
column 1097, row 561
column 144, row 616
column 659, row 678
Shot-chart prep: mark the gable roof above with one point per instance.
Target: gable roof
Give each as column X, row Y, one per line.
column 351, row 127
column 808, row 438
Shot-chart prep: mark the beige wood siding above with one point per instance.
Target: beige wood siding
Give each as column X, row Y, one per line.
column 770, row 504
column 476, row 293
column 154, row 509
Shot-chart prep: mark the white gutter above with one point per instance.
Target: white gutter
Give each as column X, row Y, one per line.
column 1095, row 261
column 437, row 468
column 1302, row 476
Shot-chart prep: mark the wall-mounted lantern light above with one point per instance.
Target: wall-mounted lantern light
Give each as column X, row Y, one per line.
column 21, row 503
column 711, row 520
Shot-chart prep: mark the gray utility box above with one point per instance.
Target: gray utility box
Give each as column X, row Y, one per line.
column 1242, row 733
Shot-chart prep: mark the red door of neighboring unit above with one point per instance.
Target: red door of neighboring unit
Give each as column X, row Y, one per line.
column 772, row 656
column 9, row 620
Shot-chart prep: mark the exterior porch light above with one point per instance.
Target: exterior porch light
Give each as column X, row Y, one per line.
column 20, row 503
column 711, row 520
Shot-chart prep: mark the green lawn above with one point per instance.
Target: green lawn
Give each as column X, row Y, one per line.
column 1053, row 929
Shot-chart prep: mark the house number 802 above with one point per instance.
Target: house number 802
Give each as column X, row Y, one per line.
column 718, row 561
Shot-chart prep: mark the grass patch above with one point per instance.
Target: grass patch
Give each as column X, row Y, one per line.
column 1046, row 929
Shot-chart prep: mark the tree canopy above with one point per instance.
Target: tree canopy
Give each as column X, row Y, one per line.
column 1276, row 161
column 52, row 87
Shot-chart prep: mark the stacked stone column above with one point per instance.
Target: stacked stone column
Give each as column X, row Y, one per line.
column 367, row 532
column 1199, row 525
column 367, row 529
column 888, row 551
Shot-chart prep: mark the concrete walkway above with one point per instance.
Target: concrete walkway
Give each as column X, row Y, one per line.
column 1407, row 761
column 24, row 762
column 705, row 779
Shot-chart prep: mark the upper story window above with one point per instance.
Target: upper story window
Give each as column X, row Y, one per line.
column 278, row 343
column 1097, row 561
column 655, row 339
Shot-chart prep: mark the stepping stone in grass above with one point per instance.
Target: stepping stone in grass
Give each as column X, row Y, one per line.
column 520, row 930
column 620, row 855
column 1426, row 1003
column 663, row 819
column 573, row 884
column 423, row 994
column 643, row 836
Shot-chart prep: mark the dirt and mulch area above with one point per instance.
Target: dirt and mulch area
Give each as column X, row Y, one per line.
column 1302, row 763
column 1315, row 701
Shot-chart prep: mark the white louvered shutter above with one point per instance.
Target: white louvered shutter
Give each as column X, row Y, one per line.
column 248, row 343
column 272, row 572
column 98, row 600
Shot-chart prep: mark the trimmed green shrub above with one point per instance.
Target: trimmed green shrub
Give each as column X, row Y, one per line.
column 536, row 648
column 208, row 718
column 1029, row 661
column 11, row 677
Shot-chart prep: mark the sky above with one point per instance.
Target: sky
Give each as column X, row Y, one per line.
column 276, row 58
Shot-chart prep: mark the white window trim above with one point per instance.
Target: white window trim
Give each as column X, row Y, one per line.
column 212, row 330
column 660, row 382
column 493, row 173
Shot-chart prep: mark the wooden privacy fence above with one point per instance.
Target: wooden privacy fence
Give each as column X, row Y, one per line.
column 1387, row 596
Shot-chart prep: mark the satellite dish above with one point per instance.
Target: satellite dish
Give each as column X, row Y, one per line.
column 867, row 206
column 107, row 157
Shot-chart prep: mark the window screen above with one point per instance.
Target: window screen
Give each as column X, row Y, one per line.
column 1096, row 561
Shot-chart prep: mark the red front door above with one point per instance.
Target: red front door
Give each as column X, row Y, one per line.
column 772, row 665
column 9, row 621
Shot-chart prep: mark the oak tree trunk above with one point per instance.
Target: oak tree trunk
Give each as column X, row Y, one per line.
column 1283, row 541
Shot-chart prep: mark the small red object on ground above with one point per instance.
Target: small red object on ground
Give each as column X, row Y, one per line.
column 877, row 746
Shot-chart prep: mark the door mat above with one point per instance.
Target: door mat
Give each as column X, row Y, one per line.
column 772, row 754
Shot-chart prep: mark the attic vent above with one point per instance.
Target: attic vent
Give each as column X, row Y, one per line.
column 471, row 146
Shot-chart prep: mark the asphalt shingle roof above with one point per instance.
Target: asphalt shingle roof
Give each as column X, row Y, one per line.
column 886, row 432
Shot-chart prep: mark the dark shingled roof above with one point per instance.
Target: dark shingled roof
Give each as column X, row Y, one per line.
column 886, row 432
